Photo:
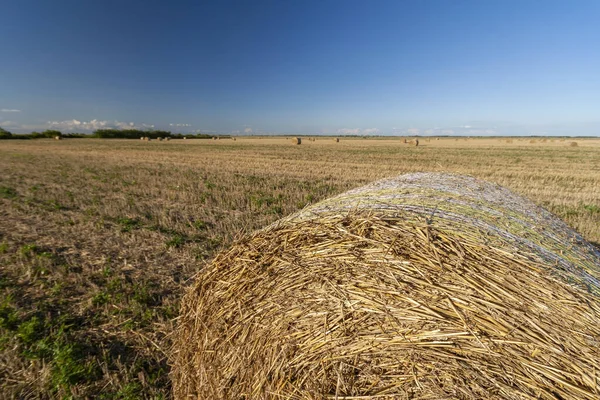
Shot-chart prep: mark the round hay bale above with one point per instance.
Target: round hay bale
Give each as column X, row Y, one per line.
column 424, row 286
column 337, row 140
column 297, row 140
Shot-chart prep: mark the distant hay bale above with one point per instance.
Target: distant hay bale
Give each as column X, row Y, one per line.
column 184, row 138
column 424, row 286
column 159, row 139
column 57, row 138
column 337, row 139
column 297, row 140
column 167, row 139
column 573, row 144
column 437, row 138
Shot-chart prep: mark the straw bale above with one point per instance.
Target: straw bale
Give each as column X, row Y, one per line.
column 424, row 286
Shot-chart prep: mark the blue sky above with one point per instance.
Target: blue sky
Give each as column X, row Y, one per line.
column 366, row 67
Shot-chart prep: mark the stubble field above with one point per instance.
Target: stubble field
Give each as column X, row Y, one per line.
column 99, row 238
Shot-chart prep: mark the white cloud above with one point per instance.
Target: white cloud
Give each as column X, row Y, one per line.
column 7, row 124
column 181, row 125
column 358, row 131
column 349, row 131
column 11, row 110
column 94, row 124
column 371, row 131
column 447, row 132
column 248, row 130
column 413, row 131
column 480, row 132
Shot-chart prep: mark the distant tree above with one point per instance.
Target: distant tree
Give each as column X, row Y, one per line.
column 128, row 134
column 51, row 133
column 4, row 134
column 36, row 135
column 77, row 135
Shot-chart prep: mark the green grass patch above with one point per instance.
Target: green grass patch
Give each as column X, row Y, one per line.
column 128, row 224
column 7, row 192
column 592, row 208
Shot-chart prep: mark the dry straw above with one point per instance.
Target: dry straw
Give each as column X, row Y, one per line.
column 425, row 286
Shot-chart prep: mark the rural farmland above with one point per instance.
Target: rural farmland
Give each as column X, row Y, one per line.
column 100, row 238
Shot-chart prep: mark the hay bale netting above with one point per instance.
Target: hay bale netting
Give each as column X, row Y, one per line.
column 425, row 286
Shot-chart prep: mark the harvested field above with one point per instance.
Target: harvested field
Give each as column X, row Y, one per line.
column 99, row 238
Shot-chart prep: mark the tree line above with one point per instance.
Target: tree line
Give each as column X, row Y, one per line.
column 103, row 134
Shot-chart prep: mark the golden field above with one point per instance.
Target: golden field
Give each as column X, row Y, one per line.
column 99, row 238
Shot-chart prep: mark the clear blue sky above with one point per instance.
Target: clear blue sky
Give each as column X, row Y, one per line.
column 459, row 67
